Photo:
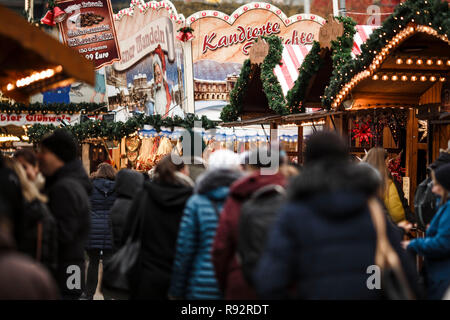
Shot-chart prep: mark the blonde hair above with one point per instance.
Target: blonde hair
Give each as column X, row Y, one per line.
column 105, row 171
column 29, row 190
column 376, row 157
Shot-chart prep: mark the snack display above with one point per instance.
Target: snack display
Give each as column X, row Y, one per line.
column 88, row 19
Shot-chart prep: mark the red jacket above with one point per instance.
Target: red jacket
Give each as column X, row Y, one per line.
column 228, row 271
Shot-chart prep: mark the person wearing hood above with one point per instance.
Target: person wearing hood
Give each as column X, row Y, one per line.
column 228, row 270
column 435, row 247
column 324, row 240
column 100, row 242
column 159, row 206
column 128, row 184
column 193, row 275
column 67, row 187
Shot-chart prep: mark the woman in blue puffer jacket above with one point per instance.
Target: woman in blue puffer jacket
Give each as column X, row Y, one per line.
column 435, row 247
column 193, row 276
column 100, row 243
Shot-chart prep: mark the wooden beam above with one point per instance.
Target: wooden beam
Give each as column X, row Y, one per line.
column 411, row 152
column 300, row 144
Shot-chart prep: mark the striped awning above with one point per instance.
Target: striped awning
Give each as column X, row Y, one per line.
column 294, row 55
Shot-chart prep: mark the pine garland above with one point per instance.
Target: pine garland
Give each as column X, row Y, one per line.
column 432, row 13
column 271, row 85
column 57, row 108
column 118, row 130
column 307, row 70
column 341, row 53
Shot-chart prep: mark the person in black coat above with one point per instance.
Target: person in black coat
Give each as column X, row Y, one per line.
column 324, row 240
column 67, row 187
column 160, row 207
column 128, row 184
column 100, row 242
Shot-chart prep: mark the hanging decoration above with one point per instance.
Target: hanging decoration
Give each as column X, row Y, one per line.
column 395, row 168
column 423, row 129
column 362, row 131
column 54, row 14
column 185, row 34
column 118, row 130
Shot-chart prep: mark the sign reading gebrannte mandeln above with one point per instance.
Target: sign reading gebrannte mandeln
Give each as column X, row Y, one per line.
column 89, row 29
column 222, row 43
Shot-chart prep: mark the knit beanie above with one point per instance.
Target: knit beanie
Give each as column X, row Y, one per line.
column 442, row 175
column 444, row 158
column 62, row 144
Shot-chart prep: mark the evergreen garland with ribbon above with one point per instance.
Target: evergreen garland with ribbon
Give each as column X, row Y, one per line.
column 271, row 85
column 432, row 13
column 118, row 130
column 57, row 108
column 341, row 53
column 309, row 68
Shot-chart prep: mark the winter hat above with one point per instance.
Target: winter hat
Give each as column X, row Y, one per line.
column 223, row 159
column 325, row 145
column 444, row 158
column 442, row 175
column 62, row 144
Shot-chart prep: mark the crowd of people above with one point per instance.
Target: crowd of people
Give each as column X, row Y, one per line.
column 224, row 229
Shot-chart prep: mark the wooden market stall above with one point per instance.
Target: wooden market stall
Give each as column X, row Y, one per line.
column 397, row 83
column 262, row 102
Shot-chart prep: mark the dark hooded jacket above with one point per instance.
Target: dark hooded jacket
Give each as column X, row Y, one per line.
column 102, row 199
column 68, row 192
column 324, row 240
column 228, row 271
column 161, row 207
column 193, row 272
column 128, row 184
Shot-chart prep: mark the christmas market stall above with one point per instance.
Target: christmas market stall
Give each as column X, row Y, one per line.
column 281, row 101
column 395, row 93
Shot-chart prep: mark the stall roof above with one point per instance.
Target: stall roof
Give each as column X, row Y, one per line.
column 27, row 50
column 413, row 64
column 294, row 55
column 281, row 120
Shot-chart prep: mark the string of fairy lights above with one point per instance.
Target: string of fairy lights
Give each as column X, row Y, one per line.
column 381, row 56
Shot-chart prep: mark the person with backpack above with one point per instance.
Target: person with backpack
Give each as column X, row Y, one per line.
column 193, row 272
column 324, row 240
column 228, row 268
column 425, row 201
column 100, row 241
column 435, row 247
